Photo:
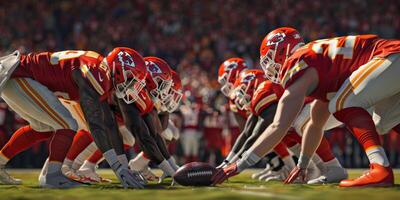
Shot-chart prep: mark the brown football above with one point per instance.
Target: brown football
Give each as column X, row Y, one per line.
column 195, row 174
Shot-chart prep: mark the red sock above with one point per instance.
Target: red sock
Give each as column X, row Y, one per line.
column 60, row 144
column 95, row 157
column 127, row 147
column 360, row 123
column 281, row 150
column 81, row 140
column 324, row 150
column 24, row 138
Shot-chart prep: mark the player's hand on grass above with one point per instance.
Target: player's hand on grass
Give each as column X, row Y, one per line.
column 223, row 174
column 296, row 174
column 128, row 178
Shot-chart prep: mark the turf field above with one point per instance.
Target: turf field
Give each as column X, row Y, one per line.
column 240, row 187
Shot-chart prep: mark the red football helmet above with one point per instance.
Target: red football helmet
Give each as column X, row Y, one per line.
column 228, row 71
column 171, row 103
column 245, row 86
column 278, row 45
column 159, row 80
column 128, row 73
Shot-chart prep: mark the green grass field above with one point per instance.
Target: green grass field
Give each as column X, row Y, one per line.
column 240, row 187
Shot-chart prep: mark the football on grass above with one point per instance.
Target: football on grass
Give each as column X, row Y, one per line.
column 195, row 174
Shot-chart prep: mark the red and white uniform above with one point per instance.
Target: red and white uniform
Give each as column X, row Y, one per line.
column 190, row 130
column 40, row 78
column 213, row 127
column 354, row 71
column 54, row 70
column 268, row 93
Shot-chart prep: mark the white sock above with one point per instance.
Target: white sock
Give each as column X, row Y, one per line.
column 88, row 165
column 333, row 163
column 3, row 159
column 289, row 162
column 139, row 163
column 377, row 155
column 76, row 164
column 53, row 167
column 68, row 162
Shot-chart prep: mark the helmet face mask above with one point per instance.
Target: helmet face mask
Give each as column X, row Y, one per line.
column 128, row 73
column 130, row 89
column 173, row 100
column 161, row 91
column 242, row 98
column 227, row 74
column 270, row 67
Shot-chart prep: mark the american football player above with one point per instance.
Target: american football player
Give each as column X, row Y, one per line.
column 228, row 72
column 158, row 80
column 259, row 95
column 31, row 85
column 345, row 76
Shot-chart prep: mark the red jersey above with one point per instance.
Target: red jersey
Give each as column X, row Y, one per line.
column 54, row 70
column 266, row 94
column 235, row 109
column 335, row 59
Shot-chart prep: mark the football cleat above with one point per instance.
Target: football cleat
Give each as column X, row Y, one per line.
column 89, row 176
column 332, row 174
column 377, row 176
column 5, row 178
column 262, row 172
column 58, row 180
column 149, row 175
column 271, row 176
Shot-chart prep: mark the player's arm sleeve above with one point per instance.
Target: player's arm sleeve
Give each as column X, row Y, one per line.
column 246, row 133
column 164, row 117
column 136, row 125
column 98, row 115
column 264, row 120
column 152, row 121
column 240, row 120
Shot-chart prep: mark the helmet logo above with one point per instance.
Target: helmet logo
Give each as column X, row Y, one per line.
column 230, row 65
column 248, row 78
column 125, row 59
column 153, row 68
column 275, row 39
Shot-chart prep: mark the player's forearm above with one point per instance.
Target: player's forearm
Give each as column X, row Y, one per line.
column 310, row 142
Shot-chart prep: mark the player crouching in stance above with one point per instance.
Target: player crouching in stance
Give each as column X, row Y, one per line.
column 136, row 120
column 345, row 76
column 31, row 85
column 228, row 72
column 255, row 93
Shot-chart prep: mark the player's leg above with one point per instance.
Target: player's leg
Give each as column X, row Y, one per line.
column 87, row 172
column 371, row 83
column 80, row 142
column 42, row 105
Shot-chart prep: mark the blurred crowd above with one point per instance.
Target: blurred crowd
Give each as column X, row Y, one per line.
column 194, row 37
